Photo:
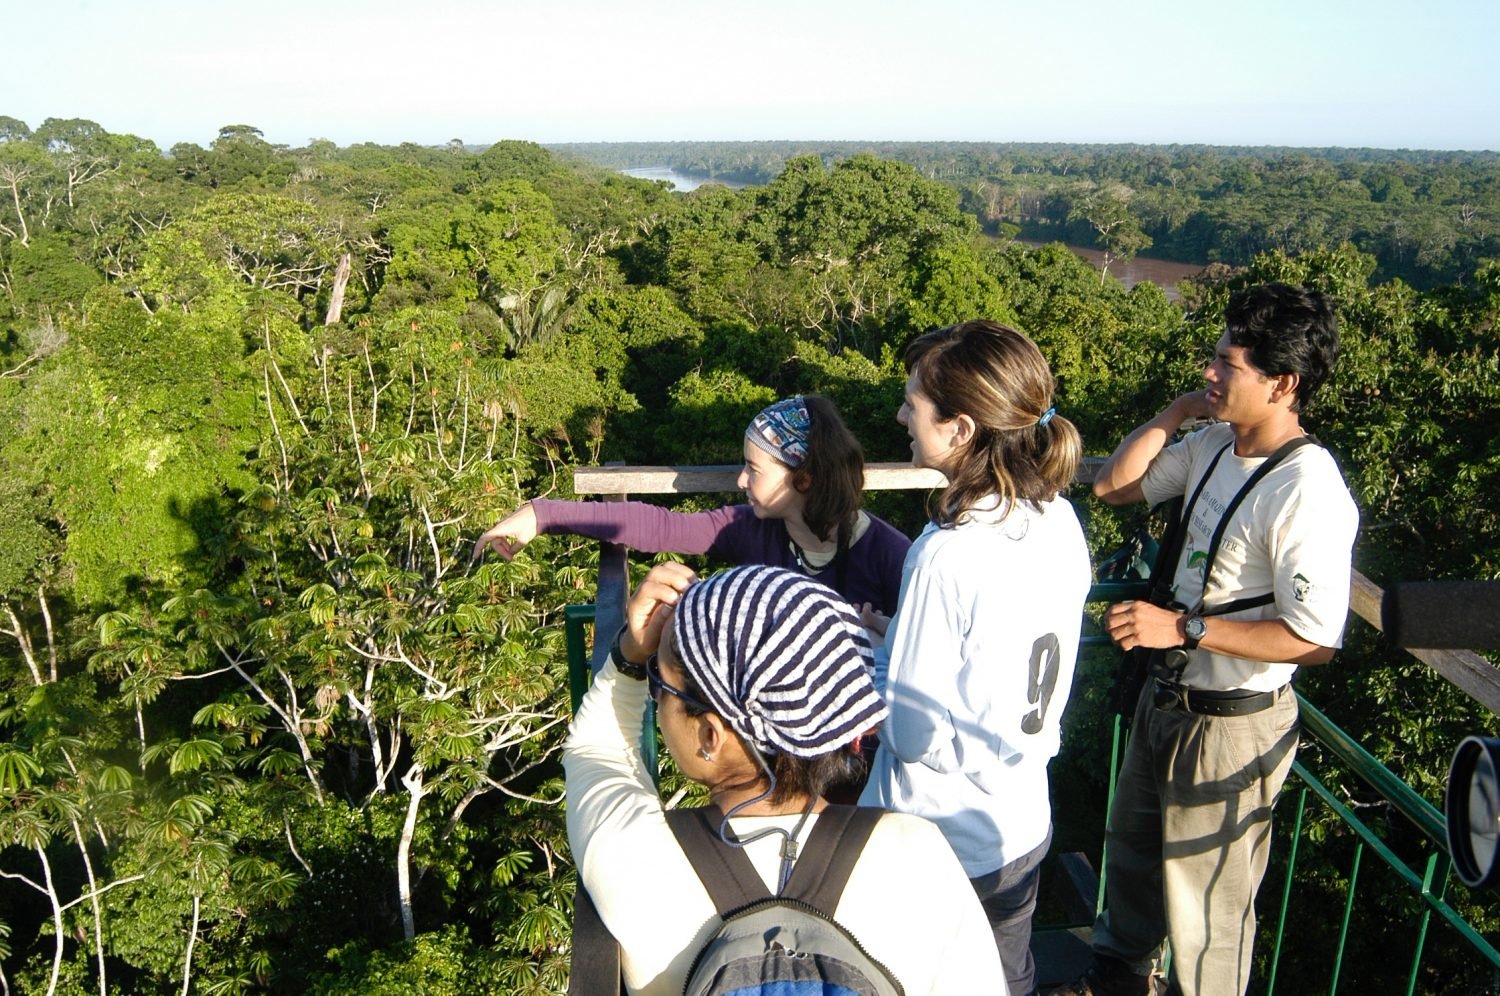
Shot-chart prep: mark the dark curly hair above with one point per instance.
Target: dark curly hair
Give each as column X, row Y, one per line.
column 1285, row 330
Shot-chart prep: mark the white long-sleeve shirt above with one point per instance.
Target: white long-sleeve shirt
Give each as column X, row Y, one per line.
column 977, row 667
column 907, row 900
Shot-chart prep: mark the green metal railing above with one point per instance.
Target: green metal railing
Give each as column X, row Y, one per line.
column 577, row 621
column 1429, row 882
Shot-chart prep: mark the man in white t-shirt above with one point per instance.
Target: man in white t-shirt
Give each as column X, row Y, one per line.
column 1215, row 730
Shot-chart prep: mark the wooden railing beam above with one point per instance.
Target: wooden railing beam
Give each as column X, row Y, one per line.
column 712, row 478
column 1472, row 673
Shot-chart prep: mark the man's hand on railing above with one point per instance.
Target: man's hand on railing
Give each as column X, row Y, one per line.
column 510, row 534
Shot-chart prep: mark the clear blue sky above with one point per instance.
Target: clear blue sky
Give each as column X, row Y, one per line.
column 1383, row 73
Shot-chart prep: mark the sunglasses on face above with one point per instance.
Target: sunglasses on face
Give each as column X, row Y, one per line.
column 657, row 686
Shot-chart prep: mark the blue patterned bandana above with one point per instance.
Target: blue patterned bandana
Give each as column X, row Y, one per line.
column 781, row 430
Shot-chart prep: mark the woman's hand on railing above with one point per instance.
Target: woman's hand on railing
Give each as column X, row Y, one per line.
column 650, row 608
column 510, row 534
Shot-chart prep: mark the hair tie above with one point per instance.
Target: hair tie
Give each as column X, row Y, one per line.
column 1046, row 417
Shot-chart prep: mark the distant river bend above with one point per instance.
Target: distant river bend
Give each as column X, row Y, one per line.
column 682, row 182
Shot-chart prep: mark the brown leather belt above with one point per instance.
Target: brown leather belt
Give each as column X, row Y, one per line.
column 1206, row 702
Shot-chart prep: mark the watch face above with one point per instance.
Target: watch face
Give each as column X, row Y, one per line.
column 1194, row 628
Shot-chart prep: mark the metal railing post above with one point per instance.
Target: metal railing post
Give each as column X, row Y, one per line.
column 1434, row 860
column 575, row 620
column 1286, row 891
column 1116, row 752
column 1338, row 958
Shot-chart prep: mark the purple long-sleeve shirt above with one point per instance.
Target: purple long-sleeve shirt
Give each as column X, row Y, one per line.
column 872, row 572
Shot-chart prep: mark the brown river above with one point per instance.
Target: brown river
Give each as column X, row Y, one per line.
column 1161, row 272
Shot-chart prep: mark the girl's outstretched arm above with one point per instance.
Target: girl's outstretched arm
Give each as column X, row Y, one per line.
column 510, row 534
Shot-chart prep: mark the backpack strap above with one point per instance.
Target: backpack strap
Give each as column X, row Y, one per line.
column 818, row 878
column 832, row 849
column 1285, row 450
column 1179, row 513
column 595, row 963
column 1240, row 604
column 1168, row 550
column 1187, row 509
column 726, row 872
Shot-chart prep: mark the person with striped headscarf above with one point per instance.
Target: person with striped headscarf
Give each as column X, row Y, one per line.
column 762, row 681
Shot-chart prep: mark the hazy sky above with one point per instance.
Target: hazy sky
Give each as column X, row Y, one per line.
column 1407, row 74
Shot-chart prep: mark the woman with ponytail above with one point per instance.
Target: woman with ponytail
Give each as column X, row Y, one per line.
column 979, row 656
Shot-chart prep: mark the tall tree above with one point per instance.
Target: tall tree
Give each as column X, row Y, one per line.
column 1106, row 209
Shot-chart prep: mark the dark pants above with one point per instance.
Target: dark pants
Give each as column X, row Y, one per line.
column 1008, row 896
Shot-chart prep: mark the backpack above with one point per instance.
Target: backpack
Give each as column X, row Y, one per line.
column 787, row 944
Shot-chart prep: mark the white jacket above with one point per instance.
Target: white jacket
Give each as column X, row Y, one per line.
column 977, row 668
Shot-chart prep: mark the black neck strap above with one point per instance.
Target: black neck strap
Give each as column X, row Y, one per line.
column 1282, row 452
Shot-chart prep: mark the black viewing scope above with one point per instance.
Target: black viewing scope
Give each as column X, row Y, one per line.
column 1473, row 811
column 1458, row 615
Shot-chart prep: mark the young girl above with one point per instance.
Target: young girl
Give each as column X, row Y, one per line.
column 979, row 656
column 803, row 479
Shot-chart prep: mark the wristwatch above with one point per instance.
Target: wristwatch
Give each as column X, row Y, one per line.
column 629, row 669
column 1194, row 628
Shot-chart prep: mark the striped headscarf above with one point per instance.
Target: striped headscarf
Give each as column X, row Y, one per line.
column 781, row 430
column 781, row 658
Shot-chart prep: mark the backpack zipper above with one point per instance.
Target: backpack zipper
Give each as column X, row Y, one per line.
column 769, row 901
